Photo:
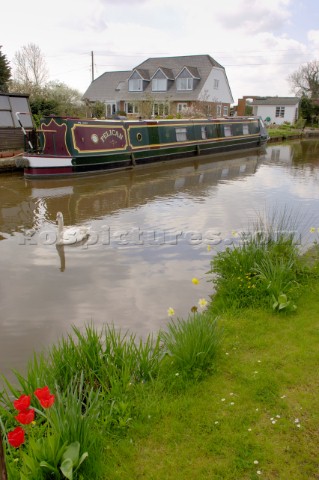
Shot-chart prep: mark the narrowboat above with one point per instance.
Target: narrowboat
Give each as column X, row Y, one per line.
column 66, row 146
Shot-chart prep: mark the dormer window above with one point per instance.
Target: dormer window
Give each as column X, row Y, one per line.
column 135, row 85
column 159, row 84
column 138, row 80
column 187, row 79
column 162, row 80
column 184, row 83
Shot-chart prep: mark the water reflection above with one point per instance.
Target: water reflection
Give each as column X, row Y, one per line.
column 61, row 253
column 150, row 231
column 86, row 198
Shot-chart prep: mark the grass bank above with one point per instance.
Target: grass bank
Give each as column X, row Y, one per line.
column 228, row 393
column 255, row 417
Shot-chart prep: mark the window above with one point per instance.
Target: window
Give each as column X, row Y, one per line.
column 219, row 110
column 110, row 109
column 184, row 83
column 245, row 130
column 204, row 133
column 280, row 112
column 131, row 107
column 227, row 131
column 225, row 110
column 181, row 107
column 135, row 85
column 160, row 109
column 159, row 84
column 216, row 83
column 181, row 134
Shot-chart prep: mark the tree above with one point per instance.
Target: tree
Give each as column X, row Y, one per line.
column 56, row 98
column 305, row 81
column 5, row 72
column 309, row 110
column 98, row 110
column 30, row 67
column 68, row 99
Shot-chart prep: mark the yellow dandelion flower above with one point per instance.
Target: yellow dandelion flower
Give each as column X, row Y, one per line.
column 312, row 230
column 195, row 281
column 171, row 312
column 209, row 248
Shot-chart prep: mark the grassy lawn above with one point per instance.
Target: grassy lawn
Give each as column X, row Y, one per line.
column 256, row 416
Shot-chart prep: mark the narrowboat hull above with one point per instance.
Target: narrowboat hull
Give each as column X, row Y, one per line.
column 71, row 147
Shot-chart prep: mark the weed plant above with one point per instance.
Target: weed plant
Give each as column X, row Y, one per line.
column 191, row 345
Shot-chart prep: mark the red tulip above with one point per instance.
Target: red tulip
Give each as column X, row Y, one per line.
column 22, row 403
column 25, row 416
column 44, row 396
column 16, row 437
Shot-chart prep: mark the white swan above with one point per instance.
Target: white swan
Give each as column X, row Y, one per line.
column 70, row 235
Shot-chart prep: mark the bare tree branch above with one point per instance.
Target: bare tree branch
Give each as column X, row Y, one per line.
column 31, row 69
column 305, row 81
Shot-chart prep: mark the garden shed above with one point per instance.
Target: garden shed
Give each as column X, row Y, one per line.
column 11, row 135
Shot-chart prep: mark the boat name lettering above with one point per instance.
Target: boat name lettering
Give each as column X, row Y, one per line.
column 111, row 133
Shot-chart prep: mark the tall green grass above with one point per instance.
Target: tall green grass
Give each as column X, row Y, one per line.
column 97, row 378
column 191, row 345
column 264, row 265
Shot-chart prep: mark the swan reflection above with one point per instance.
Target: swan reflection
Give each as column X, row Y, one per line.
column 60, row 250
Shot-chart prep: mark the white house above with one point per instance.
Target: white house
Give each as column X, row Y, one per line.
column 169, row 85
column 276, row 109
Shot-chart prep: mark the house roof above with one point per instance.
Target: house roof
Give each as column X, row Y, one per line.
column 108, row 86
column 200, row 66
column 275, row 101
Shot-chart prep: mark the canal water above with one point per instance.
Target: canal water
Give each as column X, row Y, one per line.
column 152, row 230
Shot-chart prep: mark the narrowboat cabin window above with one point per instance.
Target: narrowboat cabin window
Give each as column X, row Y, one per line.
column 254, row 127
column 184, row 83
column 139, row 137
column 135, row 85
column 211, row 131
column 181, row 134
column 245, row 129
column 280, row 112
column 159, row 84
column 227, row 131
column 204, row 133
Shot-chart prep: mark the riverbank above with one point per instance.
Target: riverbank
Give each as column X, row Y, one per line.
column 255, row 417
column 8, row 161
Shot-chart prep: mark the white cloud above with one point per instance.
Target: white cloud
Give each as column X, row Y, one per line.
column 254, row 40
column 254, row 16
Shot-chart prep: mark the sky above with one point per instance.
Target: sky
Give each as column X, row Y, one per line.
column 259, row 42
